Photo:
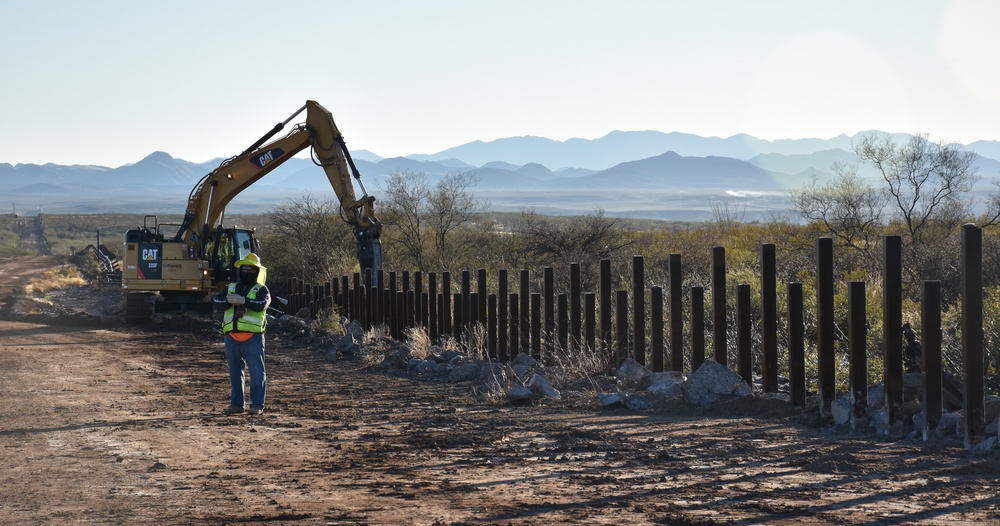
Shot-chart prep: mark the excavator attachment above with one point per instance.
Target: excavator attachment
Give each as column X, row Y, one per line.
column 369, row 251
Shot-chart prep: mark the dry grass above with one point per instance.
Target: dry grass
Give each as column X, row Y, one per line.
column 56, row 278
column 419, row 342
column 375, row 345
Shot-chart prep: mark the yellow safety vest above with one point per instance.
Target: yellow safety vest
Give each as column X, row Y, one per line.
column 249, row 320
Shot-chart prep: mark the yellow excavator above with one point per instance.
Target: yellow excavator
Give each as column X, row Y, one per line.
column 187, row 267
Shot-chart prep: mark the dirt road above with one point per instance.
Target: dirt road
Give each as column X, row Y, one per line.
column 18, row 270
column 125, row 426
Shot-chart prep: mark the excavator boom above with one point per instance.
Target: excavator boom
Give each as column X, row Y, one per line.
column 208, row 200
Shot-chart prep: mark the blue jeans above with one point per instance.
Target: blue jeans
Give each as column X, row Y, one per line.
column 251, row 354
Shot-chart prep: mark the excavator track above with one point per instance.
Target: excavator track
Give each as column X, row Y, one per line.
column 139, row 307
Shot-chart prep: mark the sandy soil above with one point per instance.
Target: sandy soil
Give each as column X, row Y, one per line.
column 123, row 425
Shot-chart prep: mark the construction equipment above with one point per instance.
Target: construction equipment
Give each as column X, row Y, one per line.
column 190, row 265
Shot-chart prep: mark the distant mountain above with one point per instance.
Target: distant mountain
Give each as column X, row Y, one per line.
column 618, row 147
column 988, row 149
column 818, row 163
column 639, row 174
column 673, row 171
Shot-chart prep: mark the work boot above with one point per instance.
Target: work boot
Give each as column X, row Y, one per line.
column 233, row 410
column 254, row 410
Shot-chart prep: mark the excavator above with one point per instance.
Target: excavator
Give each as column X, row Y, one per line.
column 186, row 267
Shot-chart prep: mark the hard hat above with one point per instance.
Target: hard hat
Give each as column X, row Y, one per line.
column 252, row 260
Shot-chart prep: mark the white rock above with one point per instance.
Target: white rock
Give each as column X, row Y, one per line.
column 633, row 371
column 540, row 385
column 609, row 400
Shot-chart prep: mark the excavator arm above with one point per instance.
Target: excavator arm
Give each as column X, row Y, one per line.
column 208, row 200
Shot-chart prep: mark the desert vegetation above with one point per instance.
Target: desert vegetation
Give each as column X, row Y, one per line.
column 922, row 197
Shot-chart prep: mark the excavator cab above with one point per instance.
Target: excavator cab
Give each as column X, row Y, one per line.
column 226, row 247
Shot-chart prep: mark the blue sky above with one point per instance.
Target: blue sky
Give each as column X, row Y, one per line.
column 108, row 82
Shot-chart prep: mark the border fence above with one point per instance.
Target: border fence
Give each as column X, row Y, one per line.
column 519, row 320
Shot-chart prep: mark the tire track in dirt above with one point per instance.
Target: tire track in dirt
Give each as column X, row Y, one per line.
column 123, row 425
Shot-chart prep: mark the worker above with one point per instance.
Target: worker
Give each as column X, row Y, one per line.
column 245, row 304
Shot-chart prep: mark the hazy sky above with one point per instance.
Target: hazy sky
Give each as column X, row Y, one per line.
column 109, row 82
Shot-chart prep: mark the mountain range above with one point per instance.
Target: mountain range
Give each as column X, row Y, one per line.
column 639, row 174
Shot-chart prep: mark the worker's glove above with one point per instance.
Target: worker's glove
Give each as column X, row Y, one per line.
column 235, row 299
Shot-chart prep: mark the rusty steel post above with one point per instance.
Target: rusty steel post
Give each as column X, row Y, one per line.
column 503, row 330
column 391, row 305
column 458, row 321
column 432, row 307
column 796, row 345
column 536, row 325
column 857, row 348
column 719, row 321
column 974, row 399
column 491, row 329
column 575, row 295
column 357, row 312
column 930, row 355
column 638, row 309
column 744, row 337
column 400, row 315
column 892, row 324
column 425, row 320
column 346, row 287
column 473, row 313
column 656, row 327
column 515, row 331
column 386, row 302
column 825, row 324
column 548, row 289
column 411, row 309
column 467, row 307
column 769, row 318
column 605, row 334
column 621, row 327
column 481, row 289
column 438, row 301
column 445, row 310
column 590, row 321
column 564, row 321
column 367, row 322
column 697, row 327
column 676, row 313
column 525, row 311
column 404, row 296
column 379, row 287
column 418, row 289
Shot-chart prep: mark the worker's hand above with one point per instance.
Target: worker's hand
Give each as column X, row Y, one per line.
column 235, row 299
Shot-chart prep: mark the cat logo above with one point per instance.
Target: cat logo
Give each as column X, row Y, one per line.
column 266, row 158
column 150, row 254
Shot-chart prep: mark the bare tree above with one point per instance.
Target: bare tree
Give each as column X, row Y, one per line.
column 307, row 239
column 847, row 207
column 925, row 181
column 404, row 206
column 923, row 194
column 453, row 207
column 437, row 225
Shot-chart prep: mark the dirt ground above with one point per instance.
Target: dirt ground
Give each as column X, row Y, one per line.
column 124, row 425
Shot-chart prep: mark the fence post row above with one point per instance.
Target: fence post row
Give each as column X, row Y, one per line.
column 523, row 321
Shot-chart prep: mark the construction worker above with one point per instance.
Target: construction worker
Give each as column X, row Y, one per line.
column 245, row 304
